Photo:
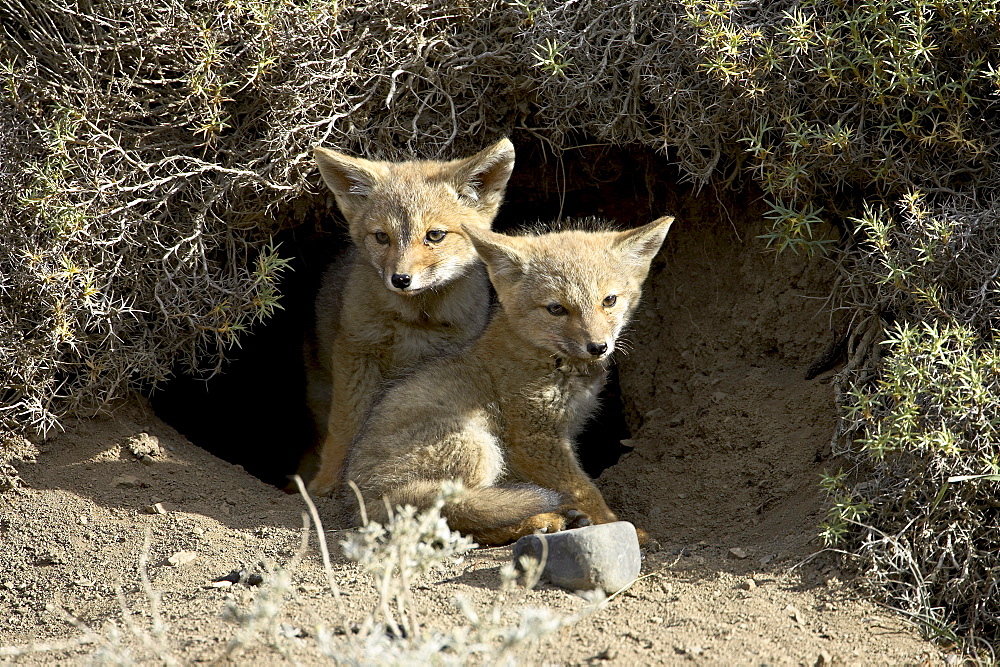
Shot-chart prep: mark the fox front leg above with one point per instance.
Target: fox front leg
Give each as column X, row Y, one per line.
column 551, row 463
column 356, row 380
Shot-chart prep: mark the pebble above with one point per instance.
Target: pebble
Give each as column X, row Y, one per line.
column 737, row 553
column 795, row 614
column 182, row 558
column 749, row 584
column 125, row 481
column 604, row 556
column 824, row 659
column 155, row 508
column 144, row 445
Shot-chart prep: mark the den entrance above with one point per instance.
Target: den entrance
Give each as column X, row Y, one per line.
column 723, row 436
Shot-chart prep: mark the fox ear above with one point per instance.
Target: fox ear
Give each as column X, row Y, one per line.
column 640, row 245
column 351, row 179
column 482, row 178
column 504, row 262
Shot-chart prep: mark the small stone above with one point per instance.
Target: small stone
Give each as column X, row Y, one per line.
column 233, row 577
column 824, row 659
column 155, row 508
column 737, row 553
column 604, row 556
column 222, row 583
column 83, row 520
column 182, row 558
column 146, row 459
column 795, row 614
column 144, row 445
column 749, row 584
column 764, row 560
column 628, row 442
column 125, row 481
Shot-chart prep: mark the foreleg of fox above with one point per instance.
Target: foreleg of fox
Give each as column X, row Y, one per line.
column 355, row 382
column 553, row 464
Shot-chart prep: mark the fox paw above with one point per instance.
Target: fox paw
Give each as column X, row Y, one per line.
column 549, row 522
column 576, row 519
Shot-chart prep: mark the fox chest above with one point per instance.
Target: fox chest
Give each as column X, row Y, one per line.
column 564, row 401
column 413, row 342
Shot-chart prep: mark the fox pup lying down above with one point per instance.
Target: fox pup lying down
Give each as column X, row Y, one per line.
column 411, row 288
column 501, row 415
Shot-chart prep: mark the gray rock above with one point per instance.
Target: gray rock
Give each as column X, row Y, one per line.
column 144, row 444
column 605, row 556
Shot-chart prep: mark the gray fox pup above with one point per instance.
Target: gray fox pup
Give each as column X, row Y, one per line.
column 501, row 415
column 412, row 286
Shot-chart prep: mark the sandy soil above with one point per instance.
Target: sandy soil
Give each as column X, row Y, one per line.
column 728, row 443
column 73, row 535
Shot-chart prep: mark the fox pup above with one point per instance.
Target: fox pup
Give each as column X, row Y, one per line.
column 502, row 415
column 412, row 286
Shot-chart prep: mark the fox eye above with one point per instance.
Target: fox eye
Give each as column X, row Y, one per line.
column 436, row 235
column 556, row 309
column 610, row 300
column 382, row 238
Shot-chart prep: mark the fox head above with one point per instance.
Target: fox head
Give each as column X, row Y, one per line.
column 570, row 293
column 409, row 218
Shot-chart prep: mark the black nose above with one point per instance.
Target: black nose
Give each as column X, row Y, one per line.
column 400, row 280
column 597, row 349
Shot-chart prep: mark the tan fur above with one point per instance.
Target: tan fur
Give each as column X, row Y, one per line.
column 370, row 328
column 500, row 416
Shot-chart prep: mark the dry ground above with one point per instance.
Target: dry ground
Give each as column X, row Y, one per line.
column 75, row 533
column 729, row 441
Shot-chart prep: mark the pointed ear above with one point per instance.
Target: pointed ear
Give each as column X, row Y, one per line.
column 481, row 179
column 638, row 246
column 504, row 262
column 351, row 179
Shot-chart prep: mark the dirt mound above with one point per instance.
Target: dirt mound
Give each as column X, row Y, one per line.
column 729, row 437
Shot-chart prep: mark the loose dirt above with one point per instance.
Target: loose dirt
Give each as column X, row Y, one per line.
column 73, row 535
column 727, row 447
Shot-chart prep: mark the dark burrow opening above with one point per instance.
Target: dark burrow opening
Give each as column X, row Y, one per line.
column 254, row 413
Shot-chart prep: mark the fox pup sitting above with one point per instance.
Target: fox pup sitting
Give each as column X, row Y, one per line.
column 501, row 416
column 412, row 286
